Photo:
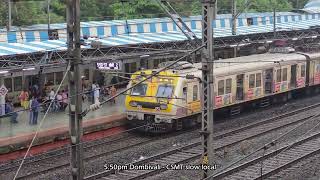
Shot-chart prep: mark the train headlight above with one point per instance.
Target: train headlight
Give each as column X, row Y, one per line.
column 133, row 104
column 163, row 106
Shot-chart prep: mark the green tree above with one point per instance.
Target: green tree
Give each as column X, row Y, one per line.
column 136, row 9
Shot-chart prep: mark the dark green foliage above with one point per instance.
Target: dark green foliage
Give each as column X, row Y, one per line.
column 34, row 12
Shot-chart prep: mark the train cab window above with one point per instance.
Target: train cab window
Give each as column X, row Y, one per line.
column 164, row 91
column 139, row 90
column 195, row 92
column 228, row 85
column 251, row 80
column 279, row 75
column 59, row 77
column 303, row 70
column 258, row 80
column 220, row 87
column 17, row 83
column 284, row 74
column 8, row 84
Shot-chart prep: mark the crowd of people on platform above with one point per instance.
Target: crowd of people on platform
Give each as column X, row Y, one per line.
column 98, row 93
column 31, row 100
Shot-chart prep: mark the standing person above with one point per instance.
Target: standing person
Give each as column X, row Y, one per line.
column 59, row 100
column 96, row 94
column 93, row 89
column 24, row 97
column 52, row 99
column 30, row 111
column 64, row 99
column 35, row 110
column 10, row 109
column 113, row 92
column 51, row 94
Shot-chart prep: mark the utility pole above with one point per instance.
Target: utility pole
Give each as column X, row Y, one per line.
column 208, row 11
column 274, row 23
column 75, row 88
column 234, row 17
column 9, row 23
column 2, row 99
column 48, row 13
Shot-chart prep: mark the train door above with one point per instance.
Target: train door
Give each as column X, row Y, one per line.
column 239, row 94
column 293, row 80
column 193, row 97
column 268, row 81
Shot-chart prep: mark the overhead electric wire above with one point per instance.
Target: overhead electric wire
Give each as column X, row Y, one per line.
column 153, row 74
column 40, row 125
column 266, row 146
column 55, row 100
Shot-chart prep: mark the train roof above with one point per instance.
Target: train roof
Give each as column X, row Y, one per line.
column 246, row 63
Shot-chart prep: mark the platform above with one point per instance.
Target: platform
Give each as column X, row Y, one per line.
column 56, row 125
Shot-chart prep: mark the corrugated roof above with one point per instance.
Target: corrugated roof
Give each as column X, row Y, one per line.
column 156, row 37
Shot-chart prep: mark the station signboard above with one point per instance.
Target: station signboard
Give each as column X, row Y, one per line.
column 114, row 65
column 3, row 90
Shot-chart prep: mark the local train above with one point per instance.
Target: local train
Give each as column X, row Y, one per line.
column 171, row 100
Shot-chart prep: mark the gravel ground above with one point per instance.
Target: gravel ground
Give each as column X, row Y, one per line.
column 155, row 147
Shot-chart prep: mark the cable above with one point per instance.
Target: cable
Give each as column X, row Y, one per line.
column 55, row 100
column 303, row 135
column 266, row 146
column 153, row 74
column 39, row 127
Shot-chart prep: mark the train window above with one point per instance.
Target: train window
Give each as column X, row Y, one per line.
column 59, row 77
column 251, row 80
column 195, row 92
column 303, row 70
column 258, row 80
column 139, row 90
column 8, row 84
column 318, row 68
column 284, row 74
column 184, row 91
column 17, row 83
column 50, row 79
column 220, row 87
column 228, row 86
column 279, row 75
column 164, row 91
column 86, row 74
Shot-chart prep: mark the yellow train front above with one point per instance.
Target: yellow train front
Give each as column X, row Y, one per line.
column 157, row 104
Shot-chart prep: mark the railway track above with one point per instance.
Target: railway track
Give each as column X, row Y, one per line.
column 228, row 138
column 63, row 161
column 274, row 161
column 194, row 150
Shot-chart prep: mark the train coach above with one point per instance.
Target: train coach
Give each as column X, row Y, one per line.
column 171, row 100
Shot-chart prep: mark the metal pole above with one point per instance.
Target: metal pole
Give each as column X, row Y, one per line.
column 9, row 23
column 274, row 23
column 208, row 10
column 2, row 99
column 234, row 17
column 48, row 11
column 75, row 88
